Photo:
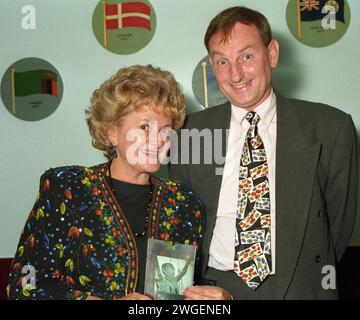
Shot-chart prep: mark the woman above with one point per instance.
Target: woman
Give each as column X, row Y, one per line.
column 86, row 235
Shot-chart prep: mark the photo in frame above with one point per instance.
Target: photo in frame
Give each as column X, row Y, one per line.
column 169, row 269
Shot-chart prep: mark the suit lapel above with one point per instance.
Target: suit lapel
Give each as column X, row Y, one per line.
column 296, row 163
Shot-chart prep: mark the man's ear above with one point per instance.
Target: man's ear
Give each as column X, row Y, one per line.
column 273, row 52
column 112, row 135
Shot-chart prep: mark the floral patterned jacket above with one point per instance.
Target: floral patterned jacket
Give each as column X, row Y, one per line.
column 80, row 243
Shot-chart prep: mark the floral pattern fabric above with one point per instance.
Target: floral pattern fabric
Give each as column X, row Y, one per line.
column 80, row 243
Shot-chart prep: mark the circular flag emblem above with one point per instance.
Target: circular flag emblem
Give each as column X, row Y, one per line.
column 204, row 85
column 31, row 89
column 318, row 23
column 124, row 27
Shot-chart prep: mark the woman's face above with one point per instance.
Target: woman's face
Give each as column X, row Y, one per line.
column 142, row 139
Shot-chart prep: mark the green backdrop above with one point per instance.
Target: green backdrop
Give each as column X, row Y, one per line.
column 64, row 37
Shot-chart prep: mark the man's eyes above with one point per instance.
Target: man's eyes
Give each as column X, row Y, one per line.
column 247, row 57
column 221, row 63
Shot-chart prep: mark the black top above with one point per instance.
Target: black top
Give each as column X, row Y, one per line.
column 134, row 200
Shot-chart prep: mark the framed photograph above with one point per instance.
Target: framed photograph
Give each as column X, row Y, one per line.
column 169, row 269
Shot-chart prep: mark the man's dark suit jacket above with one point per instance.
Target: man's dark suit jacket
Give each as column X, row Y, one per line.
column 316, row 197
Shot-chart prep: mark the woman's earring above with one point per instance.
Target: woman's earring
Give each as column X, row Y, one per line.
column 114, row 152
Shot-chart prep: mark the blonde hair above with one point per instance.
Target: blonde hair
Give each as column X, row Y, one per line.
column 131, row 89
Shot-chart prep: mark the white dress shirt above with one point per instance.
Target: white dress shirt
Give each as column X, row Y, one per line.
column 222, row 247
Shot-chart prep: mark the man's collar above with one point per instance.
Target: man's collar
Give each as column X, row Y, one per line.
column 266, row 111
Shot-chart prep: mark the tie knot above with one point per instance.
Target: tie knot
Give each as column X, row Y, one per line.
column 253, row 118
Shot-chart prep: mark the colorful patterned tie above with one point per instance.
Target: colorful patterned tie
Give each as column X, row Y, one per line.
column 252, row 240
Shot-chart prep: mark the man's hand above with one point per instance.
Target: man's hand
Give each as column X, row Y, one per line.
column 207, row 293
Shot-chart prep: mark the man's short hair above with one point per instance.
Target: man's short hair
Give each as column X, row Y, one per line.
column 225, row 21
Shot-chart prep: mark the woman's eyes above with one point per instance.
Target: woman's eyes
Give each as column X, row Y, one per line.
column 164, row 133
column 144, row 127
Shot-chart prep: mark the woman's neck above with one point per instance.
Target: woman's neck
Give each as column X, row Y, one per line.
column 127, row 174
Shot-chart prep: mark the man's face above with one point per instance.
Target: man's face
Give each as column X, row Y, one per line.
column 242, row 65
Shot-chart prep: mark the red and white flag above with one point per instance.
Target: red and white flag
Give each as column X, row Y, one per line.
column 128, row 14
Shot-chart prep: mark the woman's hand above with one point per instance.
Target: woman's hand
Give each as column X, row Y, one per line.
column 131, row 296
column 135, row 296
column 93, row 298
column 207, row 293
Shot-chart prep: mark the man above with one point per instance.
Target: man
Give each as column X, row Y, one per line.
column 281, row 214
